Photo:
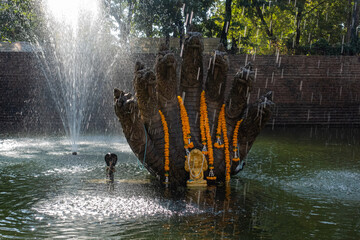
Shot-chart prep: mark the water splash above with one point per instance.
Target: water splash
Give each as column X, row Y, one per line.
column 327, row 183
column 70, row 206
column 68, row 11
column 74, row 55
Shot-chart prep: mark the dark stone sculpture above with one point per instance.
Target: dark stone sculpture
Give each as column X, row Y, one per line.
column 142, row 124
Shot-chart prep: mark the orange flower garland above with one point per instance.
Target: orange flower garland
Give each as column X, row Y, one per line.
column 185, row 126
column 166, row 146
column 236, row 157
column 218, row 143
column 206, row 136
column 226, row 143
column 203, row 113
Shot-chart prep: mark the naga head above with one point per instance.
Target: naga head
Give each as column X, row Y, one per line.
column 165, row 61
column 217, row 73
column 244, row 77
column 193, row 41
column 144, row 81
column 124, row 103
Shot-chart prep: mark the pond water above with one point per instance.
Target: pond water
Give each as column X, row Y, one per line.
column 297, row 184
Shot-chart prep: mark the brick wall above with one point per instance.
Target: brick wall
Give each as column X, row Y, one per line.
column 307, row 90
column 24, row 99
column 26, row 104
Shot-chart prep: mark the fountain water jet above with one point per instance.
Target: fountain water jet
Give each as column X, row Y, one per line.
column 74, row 58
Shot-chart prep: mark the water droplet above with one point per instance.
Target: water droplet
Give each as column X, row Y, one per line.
column 186, row 20
column 308, row 115
column 227, row 26
column 213, row 63
column 198, row 74
column 273, row 123
column 340, row 92
column 210, row 60
column 191, row 16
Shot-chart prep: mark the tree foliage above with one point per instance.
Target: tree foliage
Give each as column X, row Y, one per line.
column 157, row 18
column 245, row 26
column 18, row 18
column 291, row 26
column 120, row 14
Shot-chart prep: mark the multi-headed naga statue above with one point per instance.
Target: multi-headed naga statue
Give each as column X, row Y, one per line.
column 171, row 116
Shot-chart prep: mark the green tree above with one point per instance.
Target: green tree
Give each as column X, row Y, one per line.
column 157, row 18
column 289, row 26
column 120, row 13
column 353, row 22
column 18, row 20
column 227, row 22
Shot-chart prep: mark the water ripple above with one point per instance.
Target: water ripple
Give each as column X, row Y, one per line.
column 328, row 184
column 333, row 184
column 68, row 170
column 101, row 207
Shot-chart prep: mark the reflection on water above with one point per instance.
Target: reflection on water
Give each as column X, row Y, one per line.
column 296, row 185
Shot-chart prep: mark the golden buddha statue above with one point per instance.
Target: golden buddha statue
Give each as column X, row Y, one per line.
column 196, row 164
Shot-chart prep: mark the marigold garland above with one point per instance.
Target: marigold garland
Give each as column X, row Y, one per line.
column 218, row 143
column 203, row 113
column 226, row 143
column 185, row 125
column 166, row 146
column 206, row 136
column 236, row 157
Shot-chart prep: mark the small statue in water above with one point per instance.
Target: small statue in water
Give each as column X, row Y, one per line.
column 110, row 159
column 196, row 164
